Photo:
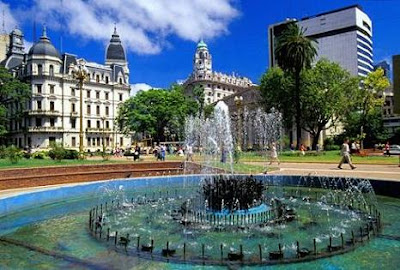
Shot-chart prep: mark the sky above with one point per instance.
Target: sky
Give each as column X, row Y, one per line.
column 160, row 36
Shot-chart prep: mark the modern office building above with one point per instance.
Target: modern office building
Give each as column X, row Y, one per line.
column 216, row 85
column 344, row 36
column 52, row 114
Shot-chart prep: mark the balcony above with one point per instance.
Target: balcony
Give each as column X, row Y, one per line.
column 98, row 130
column 44, row 112
column 45, row 129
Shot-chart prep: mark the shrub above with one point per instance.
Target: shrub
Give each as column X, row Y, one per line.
column 39, row 155
column 3, row 153
column 14, row 154
column 57, row 152
column 71, row 154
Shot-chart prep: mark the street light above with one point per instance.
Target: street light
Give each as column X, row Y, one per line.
column 239, row 104
column 104, row 138
column 81, row 73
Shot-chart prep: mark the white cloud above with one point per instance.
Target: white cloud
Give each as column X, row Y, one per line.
column 9, row 21
column 140, row 87
column 144, row 25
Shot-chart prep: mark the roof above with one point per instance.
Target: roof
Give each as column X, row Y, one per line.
column 333, row 11
column 44, row 47
column 201, row 44
column 115, row 51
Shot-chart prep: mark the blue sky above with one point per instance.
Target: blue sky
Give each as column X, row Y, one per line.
column 160, row 35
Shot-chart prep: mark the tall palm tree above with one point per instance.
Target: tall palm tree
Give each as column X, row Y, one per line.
column 295, row 52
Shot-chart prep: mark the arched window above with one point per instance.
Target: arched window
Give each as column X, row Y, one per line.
column 51, row 70
column 40, row 69
column 107, row 79
column 97, row 78
column 120, row 81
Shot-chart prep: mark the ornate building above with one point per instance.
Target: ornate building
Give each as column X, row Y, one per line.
column 52, row 114
column 216, row 85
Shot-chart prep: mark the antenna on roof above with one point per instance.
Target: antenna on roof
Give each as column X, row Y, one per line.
column 3, row 23
column 34, row 31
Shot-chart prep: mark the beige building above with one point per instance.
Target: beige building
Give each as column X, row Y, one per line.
column 216, row 85
column 52, row 114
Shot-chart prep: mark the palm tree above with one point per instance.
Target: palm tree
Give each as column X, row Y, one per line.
column 295, row 52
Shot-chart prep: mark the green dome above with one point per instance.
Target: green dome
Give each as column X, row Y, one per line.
column 201, row 44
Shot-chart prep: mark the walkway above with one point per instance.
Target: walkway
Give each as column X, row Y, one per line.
column 384, row 172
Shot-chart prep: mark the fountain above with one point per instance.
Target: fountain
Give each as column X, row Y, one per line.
column 208, row 219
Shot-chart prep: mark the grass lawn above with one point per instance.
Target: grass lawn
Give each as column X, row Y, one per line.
column 29, row 163
column 323, row 157
column 243, row 168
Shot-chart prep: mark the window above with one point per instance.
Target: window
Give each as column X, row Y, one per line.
column 94, row 142
column 97, row 94
column 367, row 25
column 73, row 123
column 88, row 93
column 38, row 122
column 51, row 70
column 120, row 80
column 72, row 91
column 39, row 104
column 89, row 124
column 98, row 110
column 107, row 124
column 107, row 110
column 97, row 78
column 73, row 141
column 52, row 122
column 106, row 96
column 98, row 141
column 51, row 105
column 52, row 140
column 39, row 88
column 98, row 124
column 88, row 109
column 88, row 141
column 40, row 69
column 107, row 79
column 218, row 95
column 51, row 88
column 73, row 107
column 120, row 97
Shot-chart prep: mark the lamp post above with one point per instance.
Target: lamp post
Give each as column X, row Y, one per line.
column 239, row 105
column 81, row 73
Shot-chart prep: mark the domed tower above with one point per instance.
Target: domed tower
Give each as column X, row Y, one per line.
column 115, row 53
column 202, row 62
column 43, row 58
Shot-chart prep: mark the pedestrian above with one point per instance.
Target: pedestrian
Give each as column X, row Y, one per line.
column 136, row 154
column 302, row 149
column 345, row 152
column 274, row 154
column 162, row 152
column 189, row 153
column 387, row 149
column 353, row 147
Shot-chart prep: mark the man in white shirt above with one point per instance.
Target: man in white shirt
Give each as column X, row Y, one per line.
column 345, row 152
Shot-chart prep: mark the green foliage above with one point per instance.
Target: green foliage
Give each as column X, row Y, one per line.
column 199, row 96
column 58, row 152
column 39, row 155
column 277, row 92
column 208, row 110
column 158, row 112
column 327, row 97
column 294, row 53
column 365, row 121
column 13, row 153
column 13, row 93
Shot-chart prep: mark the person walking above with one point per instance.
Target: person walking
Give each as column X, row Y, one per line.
column 163, row 152
column 189, row 153
column 274, row 154
column 345, row 152
column 387, row 149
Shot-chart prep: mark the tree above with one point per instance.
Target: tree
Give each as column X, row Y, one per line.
column 294, row 53
column 199, row 96
column 371, row 98
column 327, row 96
column 13, row 96
column 276, row 92
column 156, row 112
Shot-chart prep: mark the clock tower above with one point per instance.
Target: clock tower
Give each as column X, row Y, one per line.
column 16, row 42
column 202, row 59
